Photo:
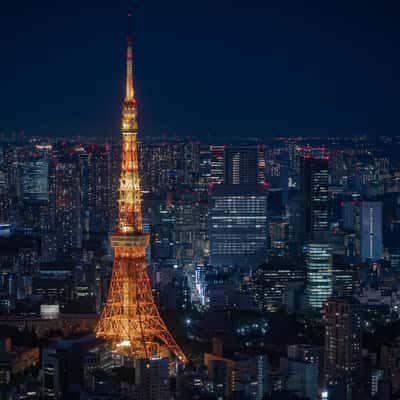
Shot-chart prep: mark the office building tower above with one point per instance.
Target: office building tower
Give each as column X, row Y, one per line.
column 271, row 282
column 168, row 165
column 304, row 365
column 349, row 213
column 263, row 367
column 217, row 163
column 314, row 195
column 35, row 180
column 343, row 344
column 204, row 167
column 294, row 158
column 371, row 230
column 65, row 203
column 96, row 179
column 318, row 274
column 277, row 174
column 238, row 225
column 262, row 174
column 344, row 280
column 152, row 378
column 278, row 237
column 241, row 165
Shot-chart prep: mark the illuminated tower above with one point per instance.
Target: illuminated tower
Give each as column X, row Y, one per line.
column 130, row 318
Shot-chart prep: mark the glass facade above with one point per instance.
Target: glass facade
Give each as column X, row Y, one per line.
column 238, row 225
column 319, row 274
column 314, row 191
column 371, row 230
column 35, row 179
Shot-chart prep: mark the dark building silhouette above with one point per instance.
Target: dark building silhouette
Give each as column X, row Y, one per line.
column 314, row 195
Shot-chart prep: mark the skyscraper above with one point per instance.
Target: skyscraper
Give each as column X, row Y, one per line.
column 271, row 282
column 35, row 179
column 96, row 183
column 319, row 275
column 238, row 225
column 241, row 165
column 65, row 203
column 130, row 318
column 217, row 162
column 314, row 195
column 343, row 344
column 304, row 366
column 152, row 378
column 371, row 230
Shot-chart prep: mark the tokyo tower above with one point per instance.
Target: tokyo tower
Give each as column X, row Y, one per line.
column 130, row 318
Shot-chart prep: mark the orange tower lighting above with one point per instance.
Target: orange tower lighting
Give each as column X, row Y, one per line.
column 130, row 318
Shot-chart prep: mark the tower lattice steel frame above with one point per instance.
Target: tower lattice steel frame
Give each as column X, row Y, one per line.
column 130, row 318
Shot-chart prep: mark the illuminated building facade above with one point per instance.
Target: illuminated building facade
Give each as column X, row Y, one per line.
column 314, row 179
column 318, row 274
column 35, row 179
column 65, row 203
column 271, row 282
column 217, row 162
column 96, row 175
column 168, row 165
column 241, row 165
column 238, row 228
column 343, row 343
column 130, row 318
column 371, row 230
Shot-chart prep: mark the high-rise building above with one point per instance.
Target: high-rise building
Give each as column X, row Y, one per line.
column 35, row 179
column 319, row 276
column 349, row 215
column 371, row 230
column 271, row 282
column 343, row 344
column 238, row 225
column 263, row 367
column 217, row 162
column 65, row 203
column 314, row 195
column 152, row 378
column 278, row 237
column 242, row 165
column 344, row 280
column 168, row 165
column 304, row 366
column 96, row 179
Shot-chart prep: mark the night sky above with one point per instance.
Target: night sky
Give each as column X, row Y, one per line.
column 219, row 68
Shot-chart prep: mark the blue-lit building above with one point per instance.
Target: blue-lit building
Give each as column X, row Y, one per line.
column 305, row 363
column 35, row 179
column 319, row 274
column 371, row 230
column 238, row 225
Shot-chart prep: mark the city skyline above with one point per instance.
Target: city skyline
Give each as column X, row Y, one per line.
column 222, row 70
column 143, row 266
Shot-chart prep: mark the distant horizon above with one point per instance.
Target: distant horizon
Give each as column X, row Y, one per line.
column 230, row 68
column 202, row 138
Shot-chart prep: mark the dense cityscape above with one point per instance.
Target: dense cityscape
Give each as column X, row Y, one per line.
column 182, row 267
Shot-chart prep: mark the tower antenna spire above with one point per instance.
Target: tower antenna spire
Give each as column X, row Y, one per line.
column 130, row 94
